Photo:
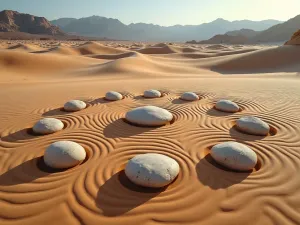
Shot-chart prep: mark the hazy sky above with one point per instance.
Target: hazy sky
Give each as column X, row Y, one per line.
column 162, row 12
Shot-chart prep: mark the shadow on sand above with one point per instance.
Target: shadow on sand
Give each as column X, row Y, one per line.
column 212, row 174
column 122, row 128
column 27, row 172
column 119, row 195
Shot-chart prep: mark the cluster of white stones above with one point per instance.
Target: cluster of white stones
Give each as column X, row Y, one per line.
column 152, row 169
column 234, row 155
column 155, row 170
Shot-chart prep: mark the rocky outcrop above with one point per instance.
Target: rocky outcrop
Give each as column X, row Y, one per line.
column 295, row 39
column 12, row 21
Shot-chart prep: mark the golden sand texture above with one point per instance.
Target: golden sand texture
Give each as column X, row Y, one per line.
column 36, row 85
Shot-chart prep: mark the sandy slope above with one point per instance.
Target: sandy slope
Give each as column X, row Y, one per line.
column 37, row 80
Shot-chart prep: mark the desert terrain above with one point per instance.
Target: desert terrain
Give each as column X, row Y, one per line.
column 38, row 77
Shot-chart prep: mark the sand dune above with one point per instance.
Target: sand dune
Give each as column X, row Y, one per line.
column 32, row 64
column 271, row 60
column 141, row 65
column 37, row 78
column 24, row 47
column 95, row 48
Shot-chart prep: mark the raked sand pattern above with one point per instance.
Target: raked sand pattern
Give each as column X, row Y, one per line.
column 98, row 192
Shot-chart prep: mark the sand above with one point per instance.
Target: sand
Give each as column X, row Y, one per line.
column 41, row 76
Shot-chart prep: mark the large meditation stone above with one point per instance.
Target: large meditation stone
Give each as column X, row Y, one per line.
column 152, row 170
column 149, row 116
column 113, row 96
column 74, row 105
column 234, row 155
column 189, row 96
column 64, row 154
column 47, row 126
column 152, row 94
column 227, row 106
column 253, row 125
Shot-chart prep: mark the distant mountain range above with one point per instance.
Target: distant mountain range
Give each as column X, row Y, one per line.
column 221, row 31
column 276, row 34
column 113, row 28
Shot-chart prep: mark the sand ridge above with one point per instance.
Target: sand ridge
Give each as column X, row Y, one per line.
column 97, row 191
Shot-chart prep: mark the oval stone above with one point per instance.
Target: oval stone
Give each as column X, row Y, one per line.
column 113, row 96
column 64, row 154
column 253, row 125
column 74, row 105
column 152, row 94
column 152, row 170
column 227, row 106
column 234, row 155
column 47, row 126
column 189, row 96
column 149, row 116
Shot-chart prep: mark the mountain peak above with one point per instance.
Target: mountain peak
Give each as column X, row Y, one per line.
column 220, row 20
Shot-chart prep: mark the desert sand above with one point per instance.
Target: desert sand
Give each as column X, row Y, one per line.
column 38, row 77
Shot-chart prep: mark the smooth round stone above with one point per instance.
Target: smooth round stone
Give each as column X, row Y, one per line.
column 234, row 155
column 253, row 125
column 64, row 154
column 113, row 96
column 47, row 126
column 74, row 105
column 227, row 106
column 149, row 116
column 189, row 96
column 152, row 170
column 152, row 94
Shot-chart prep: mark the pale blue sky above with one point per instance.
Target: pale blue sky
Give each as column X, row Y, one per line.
column 162, row 12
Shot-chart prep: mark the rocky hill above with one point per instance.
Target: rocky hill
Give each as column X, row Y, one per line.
column 12, row 21
column 280, row 32
column 295, row 39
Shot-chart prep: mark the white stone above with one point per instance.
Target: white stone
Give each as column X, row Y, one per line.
column 47, row 126
column 234, row 155
column 152, row 94
column 113, row 96
column 227, row 106
column 253, row 125
column 149, row 116
column 152, row 170
column 64, row 154
column 74, row 105
column 189, row 96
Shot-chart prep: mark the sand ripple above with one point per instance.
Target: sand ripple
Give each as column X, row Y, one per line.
column 98, row 192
